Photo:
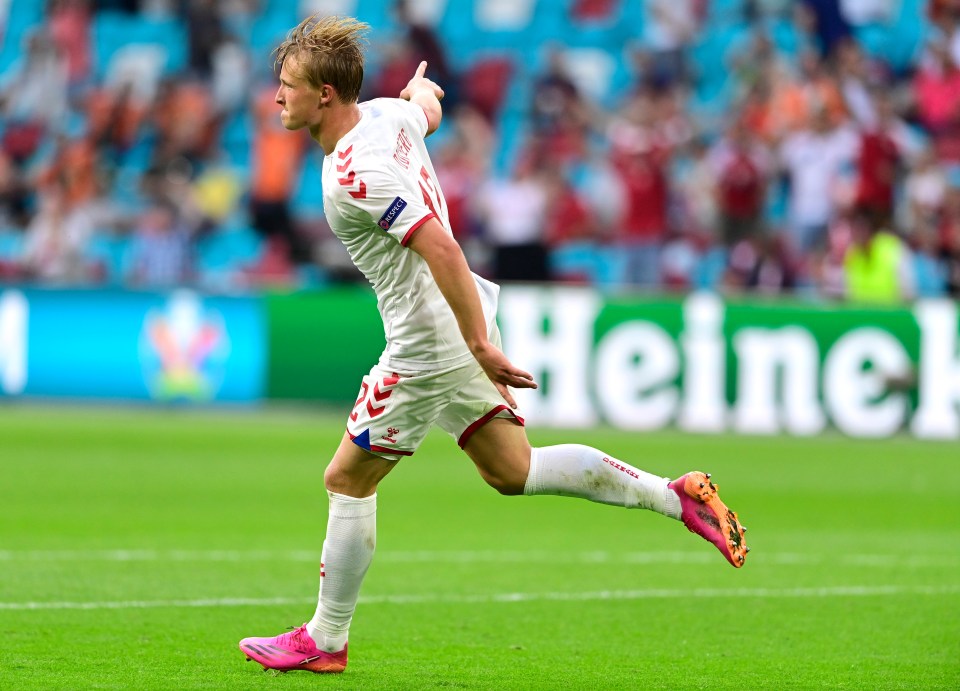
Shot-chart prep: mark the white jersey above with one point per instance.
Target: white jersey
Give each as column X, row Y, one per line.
column 379, row 187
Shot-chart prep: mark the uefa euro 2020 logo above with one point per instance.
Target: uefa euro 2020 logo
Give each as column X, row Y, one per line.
column 183, row 350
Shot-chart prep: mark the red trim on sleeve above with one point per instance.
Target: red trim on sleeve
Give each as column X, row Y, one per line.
column 416, row 227
column 468, row 432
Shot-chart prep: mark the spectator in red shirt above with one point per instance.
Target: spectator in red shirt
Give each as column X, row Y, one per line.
column 641, row 148
column 880, row 159
column 742, row 166
column 568, row 219
column 644, row 224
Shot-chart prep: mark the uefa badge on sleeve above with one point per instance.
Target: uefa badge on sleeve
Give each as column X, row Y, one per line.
column 390, row 215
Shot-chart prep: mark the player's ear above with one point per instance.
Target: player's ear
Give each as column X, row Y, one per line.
column 326, row 95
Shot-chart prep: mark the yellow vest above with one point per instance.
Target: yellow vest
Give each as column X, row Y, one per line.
column 873, row 272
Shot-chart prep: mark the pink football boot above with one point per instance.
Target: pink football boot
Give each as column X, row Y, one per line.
column 293, row 650
column 704, row 514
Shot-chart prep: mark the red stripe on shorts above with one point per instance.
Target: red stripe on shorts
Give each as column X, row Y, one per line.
column 468, row 432
column 387, row 449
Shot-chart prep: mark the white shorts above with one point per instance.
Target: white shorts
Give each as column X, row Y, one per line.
column 394, row 412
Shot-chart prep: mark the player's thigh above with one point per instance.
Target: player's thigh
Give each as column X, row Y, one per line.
column 354, row 471
column 488, row 430
column 501, row 452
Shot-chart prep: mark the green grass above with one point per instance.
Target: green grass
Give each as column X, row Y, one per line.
column 852, row 582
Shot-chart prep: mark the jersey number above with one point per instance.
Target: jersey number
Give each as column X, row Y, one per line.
column 431, row 194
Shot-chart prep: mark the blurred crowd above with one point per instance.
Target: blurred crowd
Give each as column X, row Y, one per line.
column 769, row 153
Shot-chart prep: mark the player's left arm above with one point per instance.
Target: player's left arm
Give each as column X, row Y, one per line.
column 455, row 280
column 427, row 94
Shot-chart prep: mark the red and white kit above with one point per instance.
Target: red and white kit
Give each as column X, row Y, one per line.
column 379, row 187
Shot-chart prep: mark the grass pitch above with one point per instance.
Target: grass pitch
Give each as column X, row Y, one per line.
column 137, row 547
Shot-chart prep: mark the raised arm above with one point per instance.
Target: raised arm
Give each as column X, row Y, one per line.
column 452, row 274
column 426, row 94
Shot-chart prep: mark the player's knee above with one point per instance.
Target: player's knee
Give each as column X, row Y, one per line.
column 332, row 478
column 336, row 480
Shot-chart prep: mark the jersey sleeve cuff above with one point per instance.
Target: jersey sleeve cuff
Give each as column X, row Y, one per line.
column 416, row 226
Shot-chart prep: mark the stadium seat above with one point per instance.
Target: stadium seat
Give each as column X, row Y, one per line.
column 555, row 23
column 611, row 268
column 720, row 11
column 311, row 276
column 930, row 278
column 503, row 15
column 23, row 15
column 573, row 263
column 485, row 83
column 112, row 31
column 593, row 11
column 341, row 8
column 270, row 29
column 592, row 71
column 138, row 66
column 221, row 257
column 308, row 197
column 109, row 252
column 11, row 244
column 709, row 270
column 512, row 128
column 711, row 73
column 504, row 25
column 784, row 35
column 235, row 139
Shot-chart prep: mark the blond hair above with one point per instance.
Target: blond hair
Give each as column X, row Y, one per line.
column 329, row 50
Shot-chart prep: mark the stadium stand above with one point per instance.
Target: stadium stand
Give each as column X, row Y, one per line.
column 628, row 102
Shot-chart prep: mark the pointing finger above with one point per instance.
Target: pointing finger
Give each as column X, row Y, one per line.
column 422, row 69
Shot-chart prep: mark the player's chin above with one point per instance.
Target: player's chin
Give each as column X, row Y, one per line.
column 288, row 122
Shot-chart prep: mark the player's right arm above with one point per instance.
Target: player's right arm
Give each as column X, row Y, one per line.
column 426, row 94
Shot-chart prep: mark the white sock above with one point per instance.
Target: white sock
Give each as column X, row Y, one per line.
column 574, row 470
column 347, row 553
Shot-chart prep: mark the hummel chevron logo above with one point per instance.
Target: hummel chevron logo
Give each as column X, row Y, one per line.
column 351, row 176
column 353, row 416
column 380, row 396
column 373, row 412
column 345, row 157
column 348, row 180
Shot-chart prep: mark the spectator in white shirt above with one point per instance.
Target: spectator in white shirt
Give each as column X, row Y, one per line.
column 819, row 162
